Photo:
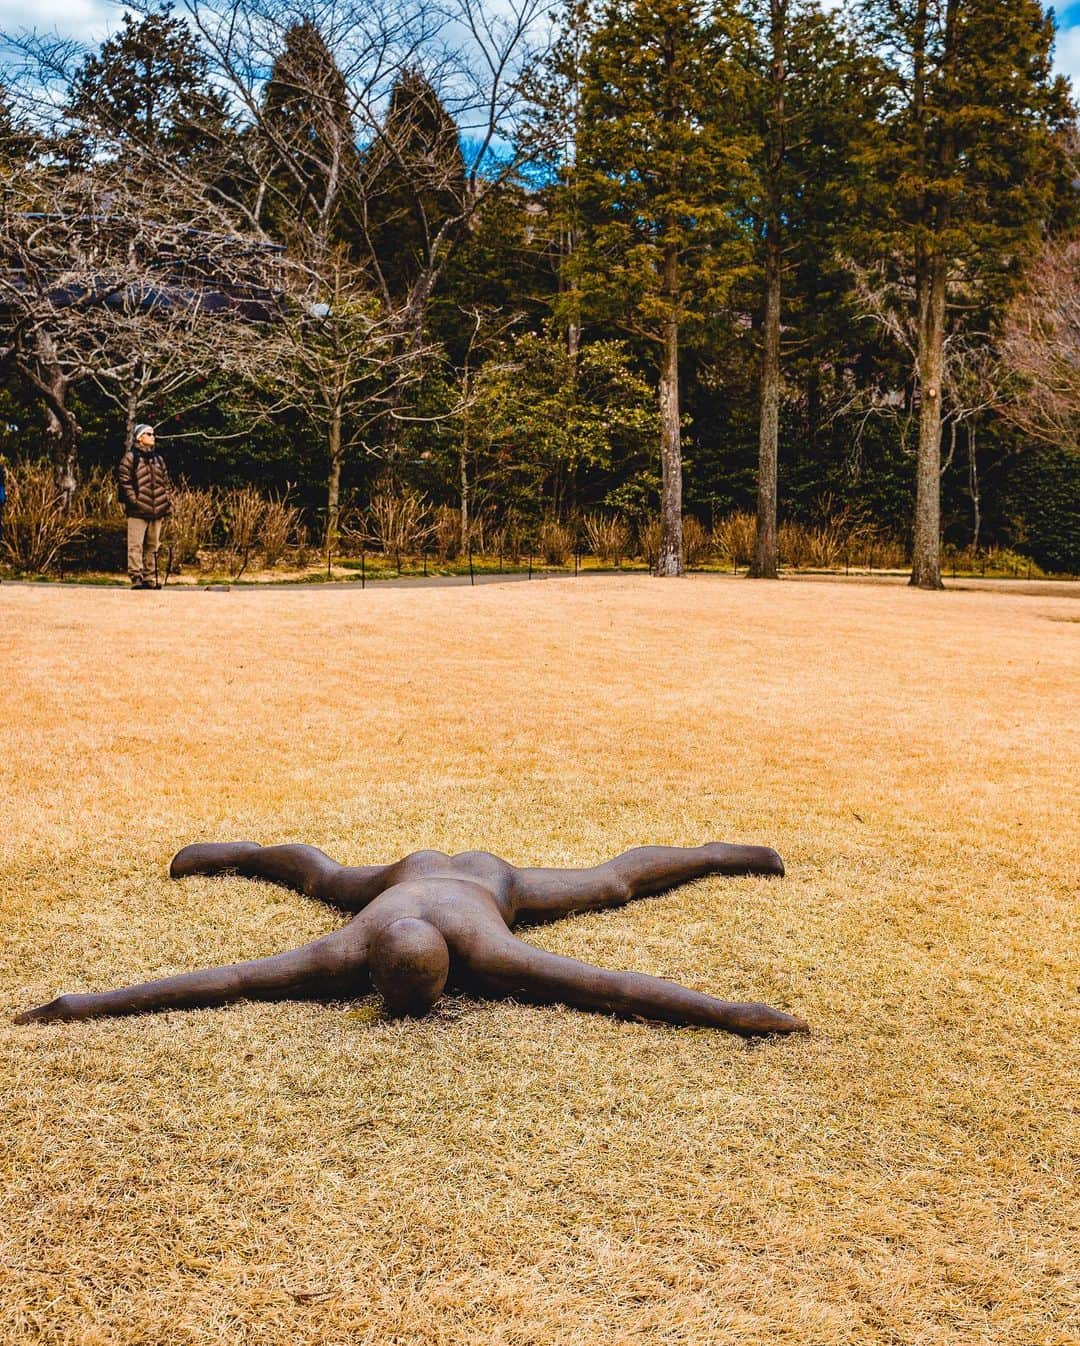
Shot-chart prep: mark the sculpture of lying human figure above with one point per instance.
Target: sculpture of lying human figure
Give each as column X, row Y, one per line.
column 433, row 920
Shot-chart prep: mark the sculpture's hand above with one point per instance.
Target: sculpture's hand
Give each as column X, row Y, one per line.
column 60, row 1010
column 497, row 963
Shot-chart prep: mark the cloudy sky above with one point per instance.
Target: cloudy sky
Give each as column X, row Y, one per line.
column 90, row 20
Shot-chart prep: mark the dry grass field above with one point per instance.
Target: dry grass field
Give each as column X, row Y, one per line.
column 286, row 1175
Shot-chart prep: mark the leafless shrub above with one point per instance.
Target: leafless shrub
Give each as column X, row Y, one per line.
column 302, row 548
column 446, row 532
column 888, row 552
column 396, row 524
column 37, row 524
column 242, row 511
column 995, row 561
column 191, row 523
column 98, row 497
column 649, row 534
column 510, row 540
column 696, row 542
column 734, row 538
column 793, row 545
column 842, row 540
column 482, row 529
column 555, row 542
column 608, row 536
column 278, row 524
column 829, row 542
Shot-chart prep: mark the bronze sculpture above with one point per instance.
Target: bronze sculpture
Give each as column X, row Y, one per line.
column 431, row 919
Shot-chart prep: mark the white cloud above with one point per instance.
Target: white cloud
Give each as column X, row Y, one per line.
column 85, row 20
column 92, row 20
column 1067, row 53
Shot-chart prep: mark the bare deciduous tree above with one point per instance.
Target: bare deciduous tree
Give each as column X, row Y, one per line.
column 100, row 280
column 1041, row 348
column 325, row 149
column 332, row 354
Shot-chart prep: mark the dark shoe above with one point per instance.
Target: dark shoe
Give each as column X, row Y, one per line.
column 151, row 584
column 138, row 582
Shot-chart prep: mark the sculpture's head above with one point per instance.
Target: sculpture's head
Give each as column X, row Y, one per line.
column 409, row 963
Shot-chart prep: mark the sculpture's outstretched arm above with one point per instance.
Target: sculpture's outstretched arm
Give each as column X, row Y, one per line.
column 502, row 965
column 304, row 869
column 547, row 894
column 334, row 965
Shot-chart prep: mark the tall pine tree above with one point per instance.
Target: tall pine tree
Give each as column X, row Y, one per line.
column 306, row 148
column 965, row 170
column 145, row 95
column 660, row 157
column 809, row 92
column 414, row 190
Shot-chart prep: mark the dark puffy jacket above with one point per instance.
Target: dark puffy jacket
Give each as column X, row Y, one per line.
column 145, row 487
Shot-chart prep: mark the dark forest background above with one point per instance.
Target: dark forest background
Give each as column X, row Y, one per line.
column 473, row 255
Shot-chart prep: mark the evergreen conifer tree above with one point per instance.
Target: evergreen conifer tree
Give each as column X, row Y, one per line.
column 964, row 162
column 660, row 156
column 414, row 187
column 307, row 140
column 145, row 95
column 809, row 93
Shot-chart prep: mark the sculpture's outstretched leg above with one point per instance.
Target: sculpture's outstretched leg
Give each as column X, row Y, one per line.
column 547, row 894
column 335, row 965
column 507, row 966
column 304, row 869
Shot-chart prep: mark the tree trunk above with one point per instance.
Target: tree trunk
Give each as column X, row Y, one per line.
column 131, row 410
column 926, row 547
column 62, row 447
column 61, row 428
column 464, row 466
column 333, row 480
column 669, row 558
column 763, row 566
column 931, row 268
column 973, row 486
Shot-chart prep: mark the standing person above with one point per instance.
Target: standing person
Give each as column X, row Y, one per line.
column 146, row 492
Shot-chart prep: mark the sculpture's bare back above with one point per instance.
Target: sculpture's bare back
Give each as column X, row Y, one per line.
column 432, row 920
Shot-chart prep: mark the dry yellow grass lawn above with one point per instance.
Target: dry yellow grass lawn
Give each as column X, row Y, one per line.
column 522, row 1176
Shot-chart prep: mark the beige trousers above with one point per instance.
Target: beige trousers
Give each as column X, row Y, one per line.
column 143, row 540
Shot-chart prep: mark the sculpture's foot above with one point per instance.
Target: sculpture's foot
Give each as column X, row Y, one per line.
column 763, row 1019
column 212, row 857
column 761, row 861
